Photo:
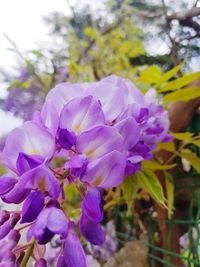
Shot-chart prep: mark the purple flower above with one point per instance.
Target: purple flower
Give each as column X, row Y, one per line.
column 92, row 215
column 80, row 114
column 32, row 206
column 25, row 142
column 50, row 221
column 73, row 253
column 97, row 133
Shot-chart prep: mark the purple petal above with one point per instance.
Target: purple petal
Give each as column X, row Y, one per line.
column 17, row 194
column 28, row 139
column 130, row 132
column 77, row 165
column 61, row 262
column 66, row 139
column 49, row 222
column 62, row 94
column 112, row 98
column 41, row 263
column 131, row 93
column 32, row 207
column 6, row 183
column 26, row 162
column 99, row 141
column 80, row 114
column 42, row 178
column 50, row 116
column 107, row 171
column 92, row 205
column 57, row 222
column 73, row 252
column 92, row 231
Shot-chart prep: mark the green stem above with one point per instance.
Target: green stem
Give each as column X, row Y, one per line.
column 28, row 254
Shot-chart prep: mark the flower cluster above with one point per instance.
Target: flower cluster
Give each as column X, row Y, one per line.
column 100, row 132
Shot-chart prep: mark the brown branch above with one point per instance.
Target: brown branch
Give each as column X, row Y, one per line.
column 185, row 18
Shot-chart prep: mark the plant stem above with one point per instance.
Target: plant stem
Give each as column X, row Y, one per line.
column 28, row 254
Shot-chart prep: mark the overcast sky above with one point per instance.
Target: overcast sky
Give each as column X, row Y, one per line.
column 22, row 21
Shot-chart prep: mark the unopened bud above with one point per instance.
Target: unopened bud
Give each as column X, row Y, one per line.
column 4, row 216
column 9, row 224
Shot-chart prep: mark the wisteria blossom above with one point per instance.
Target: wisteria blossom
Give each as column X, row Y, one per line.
column 99, row 132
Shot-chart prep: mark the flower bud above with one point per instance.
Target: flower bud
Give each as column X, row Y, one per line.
column 4, row 216
column 9, row 224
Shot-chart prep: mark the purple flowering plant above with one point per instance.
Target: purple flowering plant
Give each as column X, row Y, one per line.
column 99, row 132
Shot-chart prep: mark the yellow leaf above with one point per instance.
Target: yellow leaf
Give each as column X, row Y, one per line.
column 169, row 182
column 181, row 82
column 168, row 75
column 183, row 94
column 192, row 158
column 150, row 183
column 149, row 75
column 183, row 136
column 90, row 32
column 196, row 143
column 168, row 146
column 152, row 165
column 129, row 189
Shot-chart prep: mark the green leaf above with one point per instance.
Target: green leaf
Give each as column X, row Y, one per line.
column 169, row 183
column 183, row 136
column 168, row 75
column 192, row 158
column 181, row 82
column 150, row 183
column 129, row 189
column 183, row 94
column 168, row 146
column 152, row 165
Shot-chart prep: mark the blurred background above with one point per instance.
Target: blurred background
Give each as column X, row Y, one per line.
column 154, row 43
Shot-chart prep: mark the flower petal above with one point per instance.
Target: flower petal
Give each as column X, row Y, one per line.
column 92, row 205
column 80, row 114
column 99, row 141
column 107, row 171
column 130, row 132
column 74, row 254
column 29, row 139
column 32, row 207
column 92, row 231
column 7, row 182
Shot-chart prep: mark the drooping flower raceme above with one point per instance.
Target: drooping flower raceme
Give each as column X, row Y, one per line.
column 100, row 132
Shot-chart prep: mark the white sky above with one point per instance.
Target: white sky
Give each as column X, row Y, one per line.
column 22, row 21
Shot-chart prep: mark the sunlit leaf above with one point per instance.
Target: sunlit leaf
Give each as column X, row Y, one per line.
column 181, row 82
column 192, row 158
column 183, row 136
column 150, row 183
column 129, row 189
column 149, row 75
column 169, row 183
column 170, row 74
column 196, row 143
column 152, row 165
column 183, row 94
column 168, row 146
